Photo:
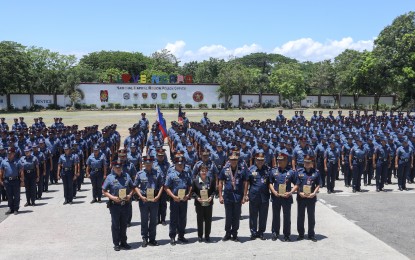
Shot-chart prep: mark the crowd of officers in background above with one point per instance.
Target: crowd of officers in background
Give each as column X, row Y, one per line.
column 234, row 161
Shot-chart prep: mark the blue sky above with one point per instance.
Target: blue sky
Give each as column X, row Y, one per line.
column 196, row 30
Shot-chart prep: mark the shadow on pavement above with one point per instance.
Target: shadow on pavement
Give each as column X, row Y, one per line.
column 217, row 218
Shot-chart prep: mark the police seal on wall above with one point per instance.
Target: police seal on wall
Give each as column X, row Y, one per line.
column 144, row 95
column 198, row 96
column 173, row 95
column 154, row 95
column 126, row 96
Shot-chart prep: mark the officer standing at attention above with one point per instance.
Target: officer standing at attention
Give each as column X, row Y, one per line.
column 148, row 186
column 258, row 183
column 403, row 162
column 357, row 162
column 162, row 165
column 281, row 184
column 42, row 169
column 67, row 167
column 118, row 188
column 231, row 183
column 381, row 162
column 179, row 187
column 144, row 125
column 96, row 170
column 204, row 188
column 331, row 165
column 29, row 167
column 205, row 121
column 9, row 178
column 308, row 182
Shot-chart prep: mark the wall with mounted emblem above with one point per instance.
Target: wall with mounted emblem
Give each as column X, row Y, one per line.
column 130, row 94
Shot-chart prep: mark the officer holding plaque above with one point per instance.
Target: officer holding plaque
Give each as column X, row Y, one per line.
column 149, row 187
column 179, row 187
column 308, row 182
column 118, row 188
column 281, row 185
column 204, row 188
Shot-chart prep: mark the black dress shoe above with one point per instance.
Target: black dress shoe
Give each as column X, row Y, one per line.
column 129, row 225
column 262, row 237
column 377, row 190
column 93, row 201
column 70, row 202
column 9, row 212
column 313, row 239
column 207, row 239
column 287, row 239
column 145, row 243
column 33, row 204
column 125, row 246
column 117, row 248
column 183, row 240
column 235, row 239
column 226, row 238
column 300, row 238
column 400, row 188
column 253, row 237
column 406, row 189
column 164, row 223
column 15, row 212
column 172, row 241
column 153, row 243
column 27, row 204
column 328, row 192
column 99, row 200
column 274, row 237
column 65, row 203
column 354, row 191
column 200, row 240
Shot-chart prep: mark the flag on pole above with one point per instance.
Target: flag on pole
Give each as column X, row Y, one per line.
column 160, row 120
column 180, row 115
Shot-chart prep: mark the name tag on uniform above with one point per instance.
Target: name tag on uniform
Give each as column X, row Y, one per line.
column 282, row 188
column 150, row 194
column 204, row 194
column 181, row 193
column 122, row 193
column 307, row 189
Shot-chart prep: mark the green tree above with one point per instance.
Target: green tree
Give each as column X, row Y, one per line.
column 208, row 71
column 233, row 79
column 111, row 73
column 322, row 78
column 164, row 61
column 14, row 67
column 189, row 68
column 288, row 81
column 395, row 48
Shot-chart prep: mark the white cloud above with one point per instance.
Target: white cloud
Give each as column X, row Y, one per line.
column 207, row 51
column 306, row 49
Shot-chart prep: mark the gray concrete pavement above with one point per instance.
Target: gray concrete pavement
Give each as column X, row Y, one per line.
column 82, row 231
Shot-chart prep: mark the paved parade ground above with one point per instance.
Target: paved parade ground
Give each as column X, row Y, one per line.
column 366, row 225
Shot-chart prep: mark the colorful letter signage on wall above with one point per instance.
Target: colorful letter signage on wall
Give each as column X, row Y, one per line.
column 155, row 79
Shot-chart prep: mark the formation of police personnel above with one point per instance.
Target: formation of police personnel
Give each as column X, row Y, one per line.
column 234, row 161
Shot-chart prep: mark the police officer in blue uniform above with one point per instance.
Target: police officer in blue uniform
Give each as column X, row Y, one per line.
column 117, row 185
column 205, row 120
column 29, row 167
column 67, row 167
column 11, row 180
column 308, row 182
column 403, row 163
column 231, row 193
column 282, row 196
column 96, row 170
column 149, row 180
column 345, row 153
column 258, row 183
column 48, row 162
column 357, row 162
column 331, row 165
column 381, row 162
column 179, row 187
column 42, row 169
column 162, row 166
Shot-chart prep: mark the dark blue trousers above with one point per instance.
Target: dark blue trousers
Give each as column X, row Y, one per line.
column 368, row 174
column 45, row 178
column 381, row 174
column 310, row 205
column 331, row 175
column 178, row 218
column 149, row 218
column 162, row 207
column 40, row 183
column 232, row 217
column 67, row 179
column 358, row 169
column 96, row 181
column 30, row 186
column 277, row 204
column 347, row 174
column 119, row 223
column 404, row 170
column 258, row 212
column 13, row 194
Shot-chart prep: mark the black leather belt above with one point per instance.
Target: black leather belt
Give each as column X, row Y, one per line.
column 67, row 169
column 405, row 160
column 29, row 171
column 11, row 178
column 96, row 169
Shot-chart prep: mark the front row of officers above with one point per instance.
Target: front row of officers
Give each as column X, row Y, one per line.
column 236, row 184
